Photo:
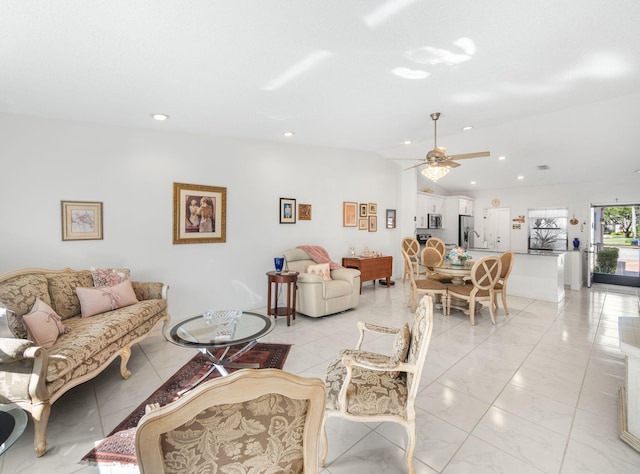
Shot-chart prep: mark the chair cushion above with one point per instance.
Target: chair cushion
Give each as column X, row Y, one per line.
column 370, row 392
column 465, row 290
column 240, row 437
column 430, row 285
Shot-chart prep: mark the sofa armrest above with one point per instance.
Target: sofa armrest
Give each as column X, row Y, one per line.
column 150, row 290
column 12, row 349
column 346, row 274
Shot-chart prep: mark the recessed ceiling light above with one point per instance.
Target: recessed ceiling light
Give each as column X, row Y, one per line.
column 637, row 171
column 502, row 158
column 520, row 177
column 473, row 182
column 159, row 117
column 468, row 127
column 407, row 142
column 288, row 134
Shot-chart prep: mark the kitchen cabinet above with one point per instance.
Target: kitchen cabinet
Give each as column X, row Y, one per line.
column 465, row 206
column 428, row 204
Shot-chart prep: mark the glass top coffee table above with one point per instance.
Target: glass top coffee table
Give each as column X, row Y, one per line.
column 208, row 336
column 13, row 421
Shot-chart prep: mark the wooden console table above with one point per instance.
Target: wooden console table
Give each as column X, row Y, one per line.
column 371, row 268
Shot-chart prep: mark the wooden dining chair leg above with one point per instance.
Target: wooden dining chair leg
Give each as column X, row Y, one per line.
column 492, row 311
column 504, row 302
column 472, row 312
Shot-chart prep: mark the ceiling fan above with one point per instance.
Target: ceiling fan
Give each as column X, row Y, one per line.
column 437, row 161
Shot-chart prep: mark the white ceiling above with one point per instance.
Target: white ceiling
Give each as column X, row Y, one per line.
column 543, row 82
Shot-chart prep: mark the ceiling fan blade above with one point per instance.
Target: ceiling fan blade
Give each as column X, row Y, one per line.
column 464, row 156
column 414, row 166
column 450, row 164
column 406, row 159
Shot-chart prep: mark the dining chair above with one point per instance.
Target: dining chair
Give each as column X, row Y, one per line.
column 372, row 388
column 254, row 420
column 412, row 247
column 431, row 258
column 438, row 244
column 484, row 275
column 425, row 286
column 506, row 259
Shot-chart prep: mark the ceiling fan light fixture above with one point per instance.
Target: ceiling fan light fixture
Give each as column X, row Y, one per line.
column 434, row 173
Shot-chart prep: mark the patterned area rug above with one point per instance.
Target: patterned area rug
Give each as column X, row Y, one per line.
column 119, row 446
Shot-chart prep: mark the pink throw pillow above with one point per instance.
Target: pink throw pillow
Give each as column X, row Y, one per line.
column 320, row 269
column 44, row 324
column 100, row 300
column 109, row 276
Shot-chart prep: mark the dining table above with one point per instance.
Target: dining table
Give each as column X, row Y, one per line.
column 456, row 272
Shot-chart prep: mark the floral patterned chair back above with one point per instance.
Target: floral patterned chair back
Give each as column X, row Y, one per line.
column 252, row 420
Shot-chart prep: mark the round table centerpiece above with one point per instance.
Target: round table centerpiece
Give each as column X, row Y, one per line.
column 458, row 256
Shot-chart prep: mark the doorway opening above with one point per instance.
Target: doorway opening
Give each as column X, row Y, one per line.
column 614, row 254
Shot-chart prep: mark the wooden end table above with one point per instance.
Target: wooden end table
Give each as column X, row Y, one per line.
column 371, row 268
column 290, row 280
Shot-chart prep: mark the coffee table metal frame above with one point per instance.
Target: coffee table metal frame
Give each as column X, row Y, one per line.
column 202, row 341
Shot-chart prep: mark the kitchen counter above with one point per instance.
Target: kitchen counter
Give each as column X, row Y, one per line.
column 537, row 274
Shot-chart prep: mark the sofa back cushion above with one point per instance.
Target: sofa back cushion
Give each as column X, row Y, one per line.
column 62, row 288
column 18, row 294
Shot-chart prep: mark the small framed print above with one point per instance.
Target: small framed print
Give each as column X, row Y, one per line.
column 199, row 214
column 304, row 212
column 391, row 218
column 373, row 208
column 363, row 223
column 287, row 211
column 81, row 220
column 349, row 214
column 373, row 223
column 363, row 210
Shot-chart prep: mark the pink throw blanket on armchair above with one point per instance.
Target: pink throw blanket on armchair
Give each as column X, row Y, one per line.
column 319, row 255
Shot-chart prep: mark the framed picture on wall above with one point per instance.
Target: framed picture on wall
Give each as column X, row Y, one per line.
column 287, row 211
column 391, row 218
column 363, row 223
column 373, row 208
column 373, row 223
column 199, row 214
column 304, row 212
column 81, row 220
column 349, row 214
column 363, row 210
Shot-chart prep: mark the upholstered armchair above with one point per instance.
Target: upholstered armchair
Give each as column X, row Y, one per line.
column 320, row 295
column 254, row 420
column 369, row 387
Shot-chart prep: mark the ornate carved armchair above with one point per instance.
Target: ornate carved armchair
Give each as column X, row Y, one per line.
column 369, row 387
column 262, row 420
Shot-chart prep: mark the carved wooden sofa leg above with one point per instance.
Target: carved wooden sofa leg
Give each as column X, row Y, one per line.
column 125, row 353
column 40, row 415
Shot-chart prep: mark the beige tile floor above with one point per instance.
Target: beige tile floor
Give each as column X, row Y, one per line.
column 537, row 393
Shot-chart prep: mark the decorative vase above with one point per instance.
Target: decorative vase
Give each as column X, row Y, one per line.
column 279, row 263
column 576, row 243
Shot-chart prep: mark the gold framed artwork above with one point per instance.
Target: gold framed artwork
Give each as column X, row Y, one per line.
column 373, row 223
column 349, row 214
column 391, row 218
column 199, row 214
column 363, row 210
column 81, row 220
column 363, row 223
column 304, row 212
column 287, row 211
column 373, row 208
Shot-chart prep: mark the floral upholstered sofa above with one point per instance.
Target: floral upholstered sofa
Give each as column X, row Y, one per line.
column 67, row 330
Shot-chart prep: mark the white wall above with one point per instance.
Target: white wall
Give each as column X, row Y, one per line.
column 132, row 171
column 577, row 198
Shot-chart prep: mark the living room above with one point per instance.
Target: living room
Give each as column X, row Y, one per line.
column 130, row 167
